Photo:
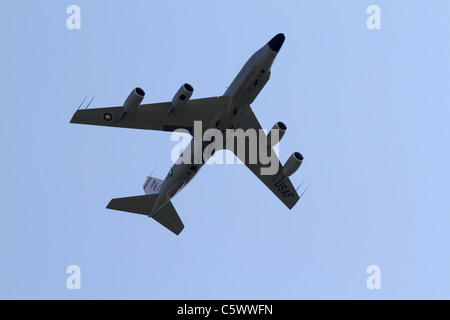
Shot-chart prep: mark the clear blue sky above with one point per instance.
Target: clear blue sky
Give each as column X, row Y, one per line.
column 369, row 110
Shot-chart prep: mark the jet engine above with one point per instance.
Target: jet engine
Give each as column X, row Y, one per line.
column 182, row 96
column 134, row 100
column 281, row 127
column 292, row 164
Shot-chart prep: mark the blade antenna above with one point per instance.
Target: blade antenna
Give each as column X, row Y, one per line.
column 300, row 185
column 153, row 171
column 83, row 101
column 89, row 103
column 304, row 191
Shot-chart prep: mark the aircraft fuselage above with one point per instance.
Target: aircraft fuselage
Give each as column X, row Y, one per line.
column 241, row 93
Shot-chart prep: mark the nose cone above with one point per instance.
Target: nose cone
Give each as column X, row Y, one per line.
column 276, row 42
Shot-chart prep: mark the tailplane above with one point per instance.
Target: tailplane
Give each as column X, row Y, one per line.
column 167, row 215
column 169, row 218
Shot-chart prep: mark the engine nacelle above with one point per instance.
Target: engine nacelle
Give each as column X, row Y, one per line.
column 281, row 127
column 182, row 96
column 134, row 100
column 292, row 164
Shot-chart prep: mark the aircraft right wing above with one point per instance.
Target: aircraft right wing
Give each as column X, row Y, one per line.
column 154, row 116
column 280, row 186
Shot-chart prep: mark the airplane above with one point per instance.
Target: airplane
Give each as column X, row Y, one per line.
column 230, row 111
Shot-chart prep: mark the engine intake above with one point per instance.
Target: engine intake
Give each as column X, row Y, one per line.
column 182, row 96
column 134, row 100
column 281, row 127
column 292, row 164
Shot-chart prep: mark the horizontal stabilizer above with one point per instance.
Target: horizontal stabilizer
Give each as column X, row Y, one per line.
column 137, row 204
column 169, row 218
column 167, row 215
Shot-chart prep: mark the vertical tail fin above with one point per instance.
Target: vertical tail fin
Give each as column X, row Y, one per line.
column 152, row 185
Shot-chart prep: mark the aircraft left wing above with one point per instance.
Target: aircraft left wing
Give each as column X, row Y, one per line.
column 281, row 186
column 155, row 116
